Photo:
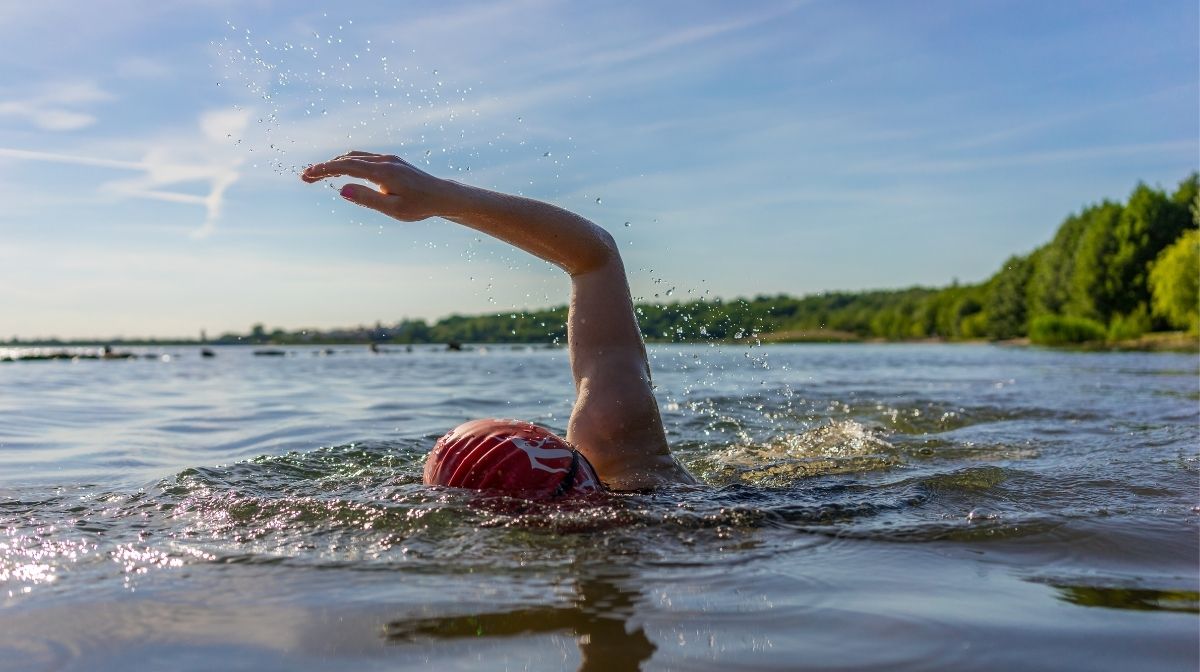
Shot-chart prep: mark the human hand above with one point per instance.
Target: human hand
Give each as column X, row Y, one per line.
column 404, row 191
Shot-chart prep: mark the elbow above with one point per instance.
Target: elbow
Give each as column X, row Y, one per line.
column 602, row 252
column 606, row 247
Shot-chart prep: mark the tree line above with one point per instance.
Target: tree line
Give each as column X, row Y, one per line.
column 1113, row 271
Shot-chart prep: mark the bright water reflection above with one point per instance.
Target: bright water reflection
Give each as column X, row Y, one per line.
column 898, row 507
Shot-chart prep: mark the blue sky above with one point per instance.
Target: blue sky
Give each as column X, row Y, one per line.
column 148, row 151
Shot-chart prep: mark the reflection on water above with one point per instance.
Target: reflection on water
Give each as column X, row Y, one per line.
column 938, row 507
column 1138, row 599
column 598, row 618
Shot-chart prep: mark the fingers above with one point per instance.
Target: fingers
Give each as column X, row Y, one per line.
column 354, row 167
column 368, row 197
column 356, row 164
column 369, row 156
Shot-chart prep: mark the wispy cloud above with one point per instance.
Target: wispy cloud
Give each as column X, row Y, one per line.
column 57, row 107
column 450, row 20
column 686, row 37
column 161, row 167
column 29, row 155
column 1044, row 122
column 912, row 165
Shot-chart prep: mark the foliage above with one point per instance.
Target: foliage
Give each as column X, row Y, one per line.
column 1175, row 283
column 1091, row 293
column 1130, row 326
column 1050, row 288
column 1006, row 298
column 1064, row 330
column 1148, row 224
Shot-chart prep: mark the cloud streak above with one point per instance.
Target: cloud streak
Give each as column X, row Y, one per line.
column 160, row 169
column 56, row 107
column 912, row 165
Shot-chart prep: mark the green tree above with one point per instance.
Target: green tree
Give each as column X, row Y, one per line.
column 1188, row 193
column 1005, row 304
column 1049, row 291
column 1175, row 282
column 1091, row 293
column 1148, row 224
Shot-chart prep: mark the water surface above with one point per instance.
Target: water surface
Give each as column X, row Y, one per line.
column 887, row 507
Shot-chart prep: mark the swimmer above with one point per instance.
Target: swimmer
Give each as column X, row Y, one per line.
column 615, row 434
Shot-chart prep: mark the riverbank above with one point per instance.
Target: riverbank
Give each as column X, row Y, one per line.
column 1166, row 341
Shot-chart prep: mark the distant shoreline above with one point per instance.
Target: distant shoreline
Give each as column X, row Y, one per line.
column 1168, row 341
column 1161, row 341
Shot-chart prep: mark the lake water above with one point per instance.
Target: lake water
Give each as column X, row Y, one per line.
column 865, row 507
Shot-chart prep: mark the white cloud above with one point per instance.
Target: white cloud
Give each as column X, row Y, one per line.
column 168, row 167
column 218, row 125
column 51, row 108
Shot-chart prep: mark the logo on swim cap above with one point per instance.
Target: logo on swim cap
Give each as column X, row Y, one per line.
column 511, row 456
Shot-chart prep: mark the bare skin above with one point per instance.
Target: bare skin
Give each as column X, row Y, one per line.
column 615, row 422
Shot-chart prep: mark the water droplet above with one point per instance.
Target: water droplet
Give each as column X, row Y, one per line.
column 627, row 225
column 598, row 201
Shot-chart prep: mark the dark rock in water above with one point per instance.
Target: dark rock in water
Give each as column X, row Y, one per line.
column 454, row 346
column 44, row 357
column 270, row 353
column 205, row 352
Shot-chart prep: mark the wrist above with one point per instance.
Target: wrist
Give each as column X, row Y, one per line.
column 451, row 198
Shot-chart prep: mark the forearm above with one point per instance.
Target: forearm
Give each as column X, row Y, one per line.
column 546, row 231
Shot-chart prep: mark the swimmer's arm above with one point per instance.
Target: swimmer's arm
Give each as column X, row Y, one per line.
column 615, row 414
column 409, row 194
column 615, row 422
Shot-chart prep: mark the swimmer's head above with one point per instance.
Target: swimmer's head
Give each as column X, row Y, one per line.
column 509, row 456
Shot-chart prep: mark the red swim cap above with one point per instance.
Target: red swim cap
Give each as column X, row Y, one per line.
column 511, row 456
